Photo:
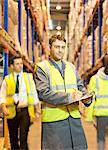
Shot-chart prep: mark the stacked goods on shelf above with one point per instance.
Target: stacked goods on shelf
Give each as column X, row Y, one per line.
column 29, row 39
column 36, row 53
column 13, row 17
column 38, row 14
column 66, row 48
column 85, row 54
column 89, row 53
column 83, row 44
column 41, row 22
column 105, row 26
column 45, row 20
column 47, row 16
column 82, row 57
column 80, row 23
column 89, row 6
column 13, row 22
column 13, row 28
column 23, row 44
column 73, row 14
column 23, row 30
column 96, row 44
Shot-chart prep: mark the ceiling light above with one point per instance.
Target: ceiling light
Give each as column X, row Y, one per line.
column 58, row 27
column 58, row 7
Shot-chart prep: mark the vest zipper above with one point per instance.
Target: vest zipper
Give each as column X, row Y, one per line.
column 65, row 91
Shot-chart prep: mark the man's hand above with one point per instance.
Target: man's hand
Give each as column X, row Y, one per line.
column 5, row 109
column 87, row 101
column 37, row 113
column 76, row 94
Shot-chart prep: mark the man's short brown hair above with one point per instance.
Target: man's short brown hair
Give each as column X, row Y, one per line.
column 56, row 37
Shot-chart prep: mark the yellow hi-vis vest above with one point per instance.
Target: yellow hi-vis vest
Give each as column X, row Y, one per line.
column 51, row 113
column 11, row 91
column 99, row 107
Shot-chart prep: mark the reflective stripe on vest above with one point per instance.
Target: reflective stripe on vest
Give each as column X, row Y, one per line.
column 102, row 96
column 61, row 87
column 101, row 107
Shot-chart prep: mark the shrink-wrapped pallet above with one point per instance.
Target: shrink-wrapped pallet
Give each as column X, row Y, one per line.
column 96, row 44
column 66, row 48
column 23, row 35
column 30, row 41
column 104, row 43
column 88, row 53
column 83, row 59
column 23, row 30
column 81, row 27
column 86, row 11
column 13, row 22
column 13, row 11
column 36, row 53
column 39, row 16
column 77, row 5
column 105, row 16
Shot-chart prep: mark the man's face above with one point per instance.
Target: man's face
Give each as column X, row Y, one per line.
column 57, row 50
column 106, row 61
column 18, row 65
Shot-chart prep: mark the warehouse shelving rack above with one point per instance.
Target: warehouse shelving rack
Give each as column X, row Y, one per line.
column 8, row 43
column 90, row 24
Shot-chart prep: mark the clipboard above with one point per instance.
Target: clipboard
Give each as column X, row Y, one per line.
column 86, row 96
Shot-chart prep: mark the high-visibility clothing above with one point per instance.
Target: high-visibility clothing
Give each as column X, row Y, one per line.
column 99, row 106
column 11, row 91
column 67, row 84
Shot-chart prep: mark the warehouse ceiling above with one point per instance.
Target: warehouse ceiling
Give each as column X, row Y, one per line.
column 59, row 17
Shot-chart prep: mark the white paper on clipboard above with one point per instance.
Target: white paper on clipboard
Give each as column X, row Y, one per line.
column 86, row 96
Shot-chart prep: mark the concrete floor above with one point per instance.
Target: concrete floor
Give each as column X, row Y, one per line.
column 90, row 132
column 35, row 138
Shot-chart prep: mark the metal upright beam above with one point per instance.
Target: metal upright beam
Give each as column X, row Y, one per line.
column 93, row 49
column 5, row 67
column 100, row 27
column 33, row 31
column 19, row 21
column 83, row 1
column 5, row 54
column 27, row 30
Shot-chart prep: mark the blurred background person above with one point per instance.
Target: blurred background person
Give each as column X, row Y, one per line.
column 99, row 107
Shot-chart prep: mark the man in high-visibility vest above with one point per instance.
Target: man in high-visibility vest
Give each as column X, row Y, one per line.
column 18, row 98
column 59, row 87
column 99, row 107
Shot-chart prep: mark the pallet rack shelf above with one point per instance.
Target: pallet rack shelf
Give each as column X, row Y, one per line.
column 92, row 21
column 37, row 27
column 88, row 22
column 9, row 45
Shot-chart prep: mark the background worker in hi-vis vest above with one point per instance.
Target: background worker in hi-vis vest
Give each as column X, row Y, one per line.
column 59, row 87
column 18, row 98
column 99, row 107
